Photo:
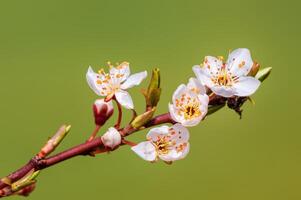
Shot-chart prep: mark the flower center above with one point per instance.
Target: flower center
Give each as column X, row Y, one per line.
column 188, row 106
column 191, row 111
column 162, row 145
column 224, row 78
column 109, row 85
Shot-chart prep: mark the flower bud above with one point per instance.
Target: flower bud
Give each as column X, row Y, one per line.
column 152, row 94
column 111, row 138
column 102, row 111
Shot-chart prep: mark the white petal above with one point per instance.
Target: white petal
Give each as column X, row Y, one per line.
column 158, row 131
column 179, row 91
column 223, row 91
column 184, row 153
column 173, row 111
column 211, row 65
column 146, row 151
column 120, row 72
column 203, row 76
column 134, row 79
column 125, row 99
column 196, row 85
column 179, row 133
column 239, row 62
column 92, row 78
column 246, row 86
column 192, row 122
column 204, row 99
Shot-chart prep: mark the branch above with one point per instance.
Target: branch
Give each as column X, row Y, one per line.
column 86, row 148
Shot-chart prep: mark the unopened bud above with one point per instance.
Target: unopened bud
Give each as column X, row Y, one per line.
column 111, row 138
column 102, row 111
column 153, row 93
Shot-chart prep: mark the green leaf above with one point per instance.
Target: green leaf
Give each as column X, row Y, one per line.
column 263, row 74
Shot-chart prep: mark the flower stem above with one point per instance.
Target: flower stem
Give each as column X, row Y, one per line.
column 94, row 133
column 118, row 123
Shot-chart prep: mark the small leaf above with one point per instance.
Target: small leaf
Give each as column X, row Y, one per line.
column 263, row 74
column 142, row 119
column 25, row 181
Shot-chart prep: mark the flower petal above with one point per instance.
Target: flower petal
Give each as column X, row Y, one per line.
column 173, row 111
column 196, row 86
column 239, row 62
column 211, row 65
column 192, row 122
column 125, row 99
column 146, row 151
column 158, row 131
column 120, row 72
column 179, row 91
column 203, row 76
column 134, row 79
column 223, row 91
column 92, row 79
column 246, row 86
column 179, row 133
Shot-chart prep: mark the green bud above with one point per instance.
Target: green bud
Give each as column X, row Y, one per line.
column 142, row 119
column 54, row 141
column 25, row 181
column 64, row 130
column 263, row 74
column 152, row 95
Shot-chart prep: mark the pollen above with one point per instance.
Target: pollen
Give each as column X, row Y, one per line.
column 224, row 78
column 242, row 64
column 191, row 111
column 163, row 145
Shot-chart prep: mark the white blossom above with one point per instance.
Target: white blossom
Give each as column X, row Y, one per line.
column 189, row 103
column 115, row 83
column 165, row 143
column 230, row 78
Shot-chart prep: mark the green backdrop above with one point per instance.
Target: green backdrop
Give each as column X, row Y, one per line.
column 46, row 47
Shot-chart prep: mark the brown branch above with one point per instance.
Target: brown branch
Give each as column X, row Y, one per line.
column 86, row 148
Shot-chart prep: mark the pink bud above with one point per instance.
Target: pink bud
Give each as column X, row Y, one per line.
column 102, row 111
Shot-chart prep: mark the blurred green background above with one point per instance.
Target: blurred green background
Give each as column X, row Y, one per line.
column 46, row 47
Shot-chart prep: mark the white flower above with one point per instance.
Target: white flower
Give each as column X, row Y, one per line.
column 167, row 143
column 111, row 138
column 115, row 83
column 190, row 103
column 230, row 78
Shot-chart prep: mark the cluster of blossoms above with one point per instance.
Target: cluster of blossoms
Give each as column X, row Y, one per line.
column 216, row 84
column 189, row 105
